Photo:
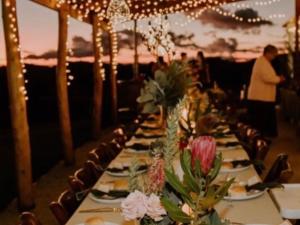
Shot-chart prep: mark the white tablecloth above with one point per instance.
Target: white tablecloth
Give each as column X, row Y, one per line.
column 260, row 210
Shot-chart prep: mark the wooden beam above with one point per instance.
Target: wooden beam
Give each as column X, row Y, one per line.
column 51, row 4
column 62, row 92
column 297, row 13
column 17, row 106
column 297, row 54
column 98, row 80
column 113, row 76
column 136, row 56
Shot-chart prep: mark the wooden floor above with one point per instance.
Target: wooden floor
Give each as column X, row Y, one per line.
column 52, row 184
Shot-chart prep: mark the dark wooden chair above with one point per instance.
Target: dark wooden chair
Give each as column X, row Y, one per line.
column 88, row 175
column 28, row 218
column 102, row 155
column 75, row 184
column 64, row 207
column 280, row 171
column 115, row 147
column 261, row 149
column 120, row 136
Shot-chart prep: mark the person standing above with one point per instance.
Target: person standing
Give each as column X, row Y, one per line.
column 262, row 93
column 203, row 70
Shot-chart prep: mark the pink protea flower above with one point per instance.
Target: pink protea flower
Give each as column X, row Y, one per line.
column 156, row 175
column 204, row 149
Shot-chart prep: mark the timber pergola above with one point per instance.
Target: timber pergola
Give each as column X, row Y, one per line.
column 92, row 12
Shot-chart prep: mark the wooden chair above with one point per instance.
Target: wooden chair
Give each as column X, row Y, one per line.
column 280, row 171
column 102, row 155
column 28, row 218
column 88, row 175
column 64, row 207
column 120, row 136
column 115, row 147
column 75, row 184
column 261, row 149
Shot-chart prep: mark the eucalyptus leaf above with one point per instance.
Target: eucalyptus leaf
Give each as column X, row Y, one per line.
column 175, row 212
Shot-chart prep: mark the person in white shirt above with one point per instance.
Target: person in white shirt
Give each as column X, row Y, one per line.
column 262, row 93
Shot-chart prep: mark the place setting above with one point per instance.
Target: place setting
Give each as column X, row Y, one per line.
column 120, row 167
column 110, row 192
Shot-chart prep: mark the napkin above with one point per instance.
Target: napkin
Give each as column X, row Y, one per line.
column 105, row 187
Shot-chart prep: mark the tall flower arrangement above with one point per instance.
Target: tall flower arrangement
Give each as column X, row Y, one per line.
column 165, row 90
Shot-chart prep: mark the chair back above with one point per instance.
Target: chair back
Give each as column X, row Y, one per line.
column 120, row 136
column 28, row 218
column 75, row 184
column 281, row 167
column 261, row 149
column 65, row 206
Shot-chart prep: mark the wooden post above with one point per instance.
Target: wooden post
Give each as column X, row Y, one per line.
column 62, row 92
column 17, row 106
column 113, row 75
column 136, row 56
column 297, row 54
column 98, row 79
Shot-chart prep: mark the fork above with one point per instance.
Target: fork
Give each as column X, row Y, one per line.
column 103, row 209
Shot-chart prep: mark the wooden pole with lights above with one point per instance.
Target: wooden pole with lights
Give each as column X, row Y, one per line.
column 297, row 54
column 18, row 110
column 61, row 86
column 113, row 73
column 99, row 75
column 136, row 56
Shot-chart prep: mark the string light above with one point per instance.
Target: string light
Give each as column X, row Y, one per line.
column 14, row 38
column 252, row 4
column 118, row 12
column 100, row 47
column 114, row 48
column 157, row 38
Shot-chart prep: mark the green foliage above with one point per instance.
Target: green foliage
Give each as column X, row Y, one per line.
column 133, row 176
column 171, row 148
column 168, row 87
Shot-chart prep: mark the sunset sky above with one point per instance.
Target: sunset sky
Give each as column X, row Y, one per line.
column 215, row 34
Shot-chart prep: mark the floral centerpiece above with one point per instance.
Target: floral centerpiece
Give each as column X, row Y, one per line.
column 195, row 193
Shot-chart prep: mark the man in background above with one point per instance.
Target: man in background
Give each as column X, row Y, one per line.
column 184, row 58
column 262, row 93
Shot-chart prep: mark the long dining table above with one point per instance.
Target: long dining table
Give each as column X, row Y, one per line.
column 259, row 210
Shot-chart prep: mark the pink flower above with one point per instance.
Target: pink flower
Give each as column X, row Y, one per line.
column 154, row 208
column 134, row 206
column 156, row 176
column 204, row 150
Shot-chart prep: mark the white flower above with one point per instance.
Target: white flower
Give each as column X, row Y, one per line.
column 134, row 206
column 154, row 208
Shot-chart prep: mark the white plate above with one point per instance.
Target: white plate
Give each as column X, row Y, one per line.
column 250, row 195
column 224, row 148
column 105, row 223
column 123, row 174
column 130, row 150
column 237, row 169
column 106, row 201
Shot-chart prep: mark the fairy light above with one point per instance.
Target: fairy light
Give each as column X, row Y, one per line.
column 114, row 48
column 157, row 38
column 100, row 47
column 14, row 37
column 70, row 54
column 141, row 9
